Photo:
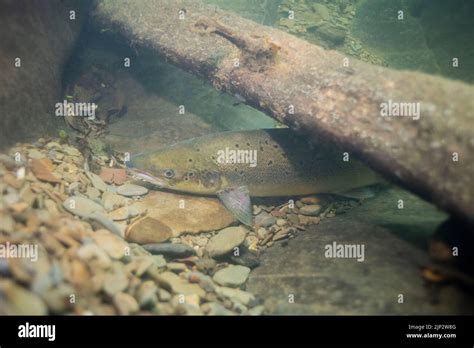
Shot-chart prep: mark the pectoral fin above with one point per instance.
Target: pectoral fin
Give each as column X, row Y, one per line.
column 237, row 201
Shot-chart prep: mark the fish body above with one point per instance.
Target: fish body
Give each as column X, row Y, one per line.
column 271, row 162
column 260, row 163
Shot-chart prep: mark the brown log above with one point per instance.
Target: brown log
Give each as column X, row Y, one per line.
column 279, row 73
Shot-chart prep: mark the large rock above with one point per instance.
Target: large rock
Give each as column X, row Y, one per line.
column 183, row 213
column 299, row 269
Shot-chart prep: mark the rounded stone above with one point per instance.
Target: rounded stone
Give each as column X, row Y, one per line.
column 130, row 190
column 82, row 206
column 311, row 209
column 232, row 276
column 226, row 240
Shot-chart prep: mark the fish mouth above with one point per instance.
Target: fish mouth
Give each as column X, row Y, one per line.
column 142, row 175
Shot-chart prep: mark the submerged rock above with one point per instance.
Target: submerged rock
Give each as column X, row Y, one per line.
column 81, row 206
column 214, row 308
column 130, row 190
column 185, row 213
column 310, row 210
column 264, row 220
column 236, row 295
column 232, row 276
column 97, row 181
column 125, row 304
column 18, row 301
column 148, row 230
column 226, row 240
column 112, row 201
column 115, row 247
column 170, row 250
column 180, row 286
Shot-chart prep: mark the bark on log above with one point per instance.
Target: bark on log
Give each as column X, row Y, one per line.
column 278, row 72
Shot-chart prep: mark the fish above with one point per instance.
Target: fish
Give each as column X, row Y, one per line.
column 237, row 165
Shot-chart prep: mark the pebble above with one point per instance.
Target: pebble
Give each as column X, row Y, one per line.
column 307, row 220
column 262, row 233
column 244, row 258
column 147, row 294
column 112, row 201
column 203, row 280
column 97, row 181
column 257, row 310
column 232, row 276
column 73, row 188
column 256, row 210
column 215, row 308
column 8, row 162
column 115, row 247
column 293, row 218
column 148, row 230
column 8, row 223
column 81, row 206
column 170, row 250
column 226, row 240
column 280, row 235
column 34, row 153
column 144, row 263
column 115, row 283
column 281, row 222
column 310, row 200
column 205, row 265
column 58, row 299
column 264, row 219
column 123, row 213
column 125, row 304
column 70, row 150
column 99, row 220
column 16, row 300
column 92, row 193
column 159, row 261
column 176, row 267
column 163, row 295
column 180, row 286
column 236, row 295
column 10, row 199
column 311, row 210
column 130, row 190
column 90, row 252
column 239, row 307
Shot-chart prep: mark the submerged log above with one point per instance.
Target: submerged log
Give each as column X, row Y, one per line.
column 320, row 93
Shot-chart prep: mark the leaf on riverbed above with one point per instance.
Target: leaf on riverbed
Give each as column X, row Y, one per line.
column 43, row 170
column 113, row 175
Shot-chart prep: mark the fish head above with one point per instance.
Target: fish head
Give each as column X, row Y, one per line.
column 179, row 170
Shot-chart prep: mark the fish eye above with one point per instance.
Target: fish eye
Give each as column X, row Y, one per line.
column 169, row 173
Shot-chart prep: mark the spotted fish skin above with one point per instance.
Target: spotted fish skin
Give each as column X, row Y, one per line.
column 286, row 165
